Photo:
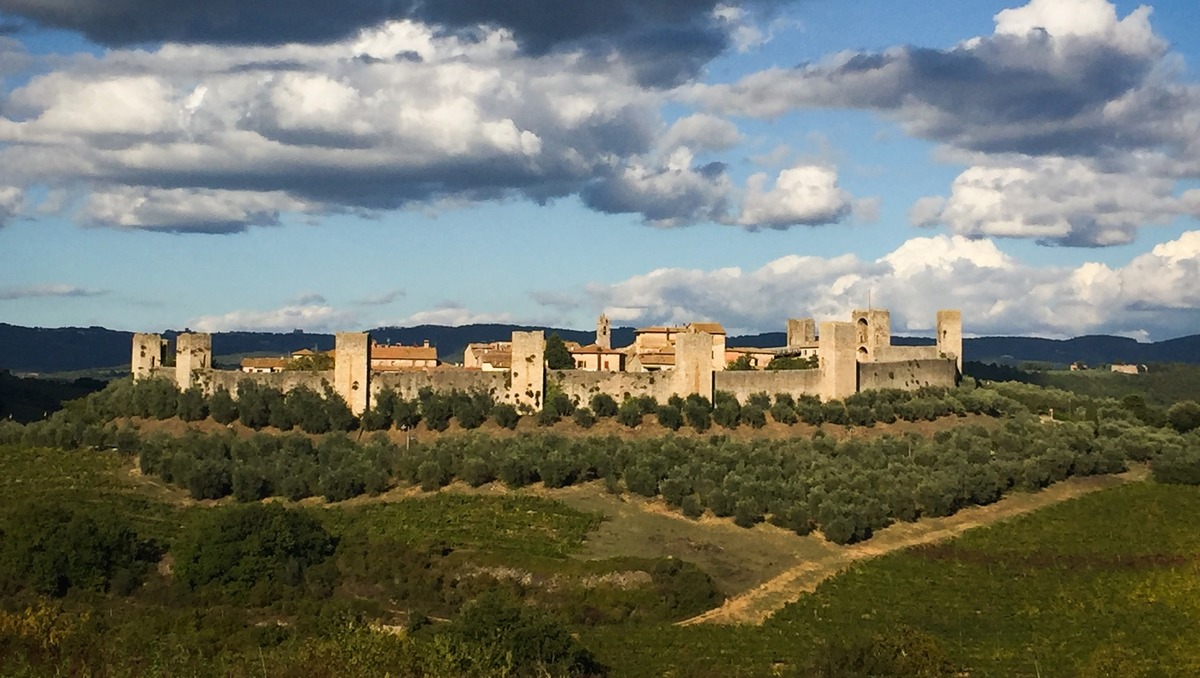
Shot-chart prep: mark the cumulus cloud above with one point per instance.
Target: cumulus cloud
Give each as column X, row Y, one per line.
column 675, row 194
column 1074, row 119
column 1041, row 84
column 1056, row 201
column 997, row 293
column 11, row 201
column 41, row 291
column 308, row 317
column 666, row 39
column 215, row 139
column 188, row 210
column 803, row 195
column 702, row 131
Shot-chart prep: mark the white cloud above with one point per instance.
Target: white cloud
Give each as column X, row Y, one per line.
column 802, row 195
column 401, row 115
column 188, row 210
column 308, row 317
column 675, row 193
column 701, row 131
column 452, row 314
column 1078, row 121
column 1156, row 295
column 1054, row 200
column 11, row 201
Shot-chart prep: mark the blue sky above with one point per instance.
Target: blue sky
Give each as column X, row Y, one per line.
column 226, row 165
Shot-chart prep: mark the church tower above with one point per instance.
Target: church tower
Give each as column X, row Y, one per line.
column 604, row 333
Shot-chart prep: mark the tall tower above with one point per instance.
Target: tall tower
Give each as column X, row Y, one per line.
column 693, row 371
column 839, row 368
column 527, row 383
column 801, row 332
column 603, row 332
column 147, row 355
column 949, row 335
column 352, row 368
column 873, row 331
column 193, row 360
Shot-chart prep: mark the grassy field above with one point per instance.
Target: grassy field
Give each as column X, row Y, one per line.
column 1103, row 585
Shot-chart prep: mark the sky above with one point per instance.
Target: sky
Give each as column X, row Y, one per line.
column 297, row 164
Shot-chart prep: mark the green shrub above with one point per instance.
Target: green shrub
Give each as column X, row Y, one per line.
column 669, row 417
column 54, row 549
column 245, row 547
column 505, row 416
column 584, row 418
column 603, row 405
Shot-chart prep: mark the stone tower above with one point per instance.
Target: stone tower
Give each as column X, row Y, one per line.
column 693, row 371
column 527, row 386
column 604, row 332
column 148, row 350
column 837, row 348
column 873, row 331
column 193, row 360
column 949, row 335
column 351, row 369
column 801, row 331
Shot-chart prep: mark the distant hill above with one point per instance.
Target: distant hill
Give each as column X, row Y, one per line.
column 26, row 350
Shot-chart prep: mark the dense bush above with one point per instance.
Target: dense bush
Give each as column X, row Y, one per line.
column 53, row 549
column 253, row 549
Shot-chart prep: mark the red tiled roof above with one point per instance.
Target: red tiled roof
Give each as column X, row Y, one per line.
column 379, row 352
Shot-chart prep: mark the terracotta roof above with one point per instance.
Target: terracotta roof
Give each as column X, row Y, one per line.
column 496, row 358
column 657, row 329
column 711, row 328
column 379, row 352
column 265, row 363
column 592, row 348
column 656, row 358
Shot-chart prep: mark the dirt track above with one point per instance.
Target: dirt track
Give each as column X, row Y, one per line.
column 755, row 605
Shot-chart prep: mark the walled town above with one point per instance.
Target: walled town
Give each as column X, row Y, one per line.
column 663, row 361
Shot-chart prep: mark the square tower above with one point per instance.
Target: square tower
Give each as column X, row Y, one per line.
column 527, row 386
column 873, row 331
column 351, row 369
column 694, row 364
column 149, row 351
column 603, row 332
column 801, row 332
column 837, row 350
column 949, row 335
column 193, row 360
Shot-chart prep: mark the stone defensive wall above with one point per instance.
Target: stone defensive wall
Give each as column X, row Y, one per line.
column 853, row 356
column 281, row 381
column 409, row 383
column 908, row 375
column 745, row 384
column 582, row 385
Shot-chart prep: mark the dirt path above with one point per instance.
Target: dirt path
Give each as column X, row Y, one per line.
column 755, row 605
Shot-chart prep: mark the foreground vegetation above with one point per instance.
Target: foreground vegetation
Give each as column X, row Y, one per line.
column 300, row 540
